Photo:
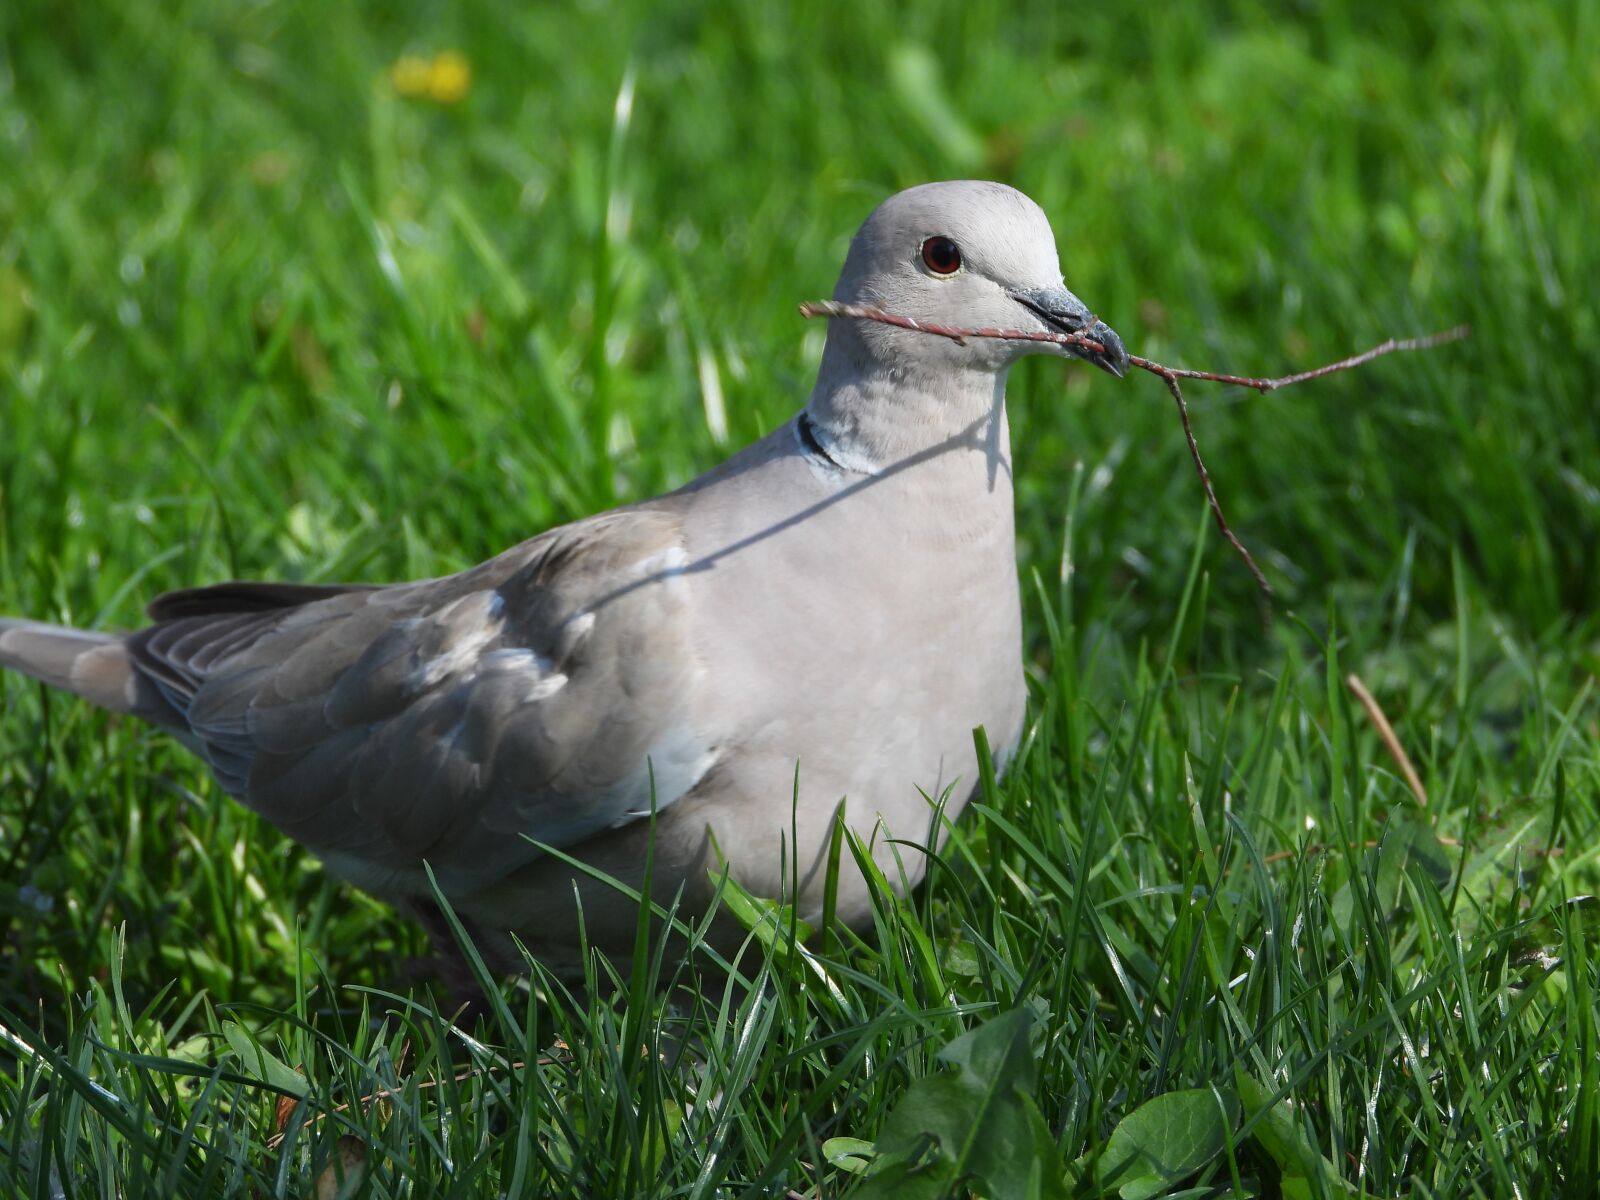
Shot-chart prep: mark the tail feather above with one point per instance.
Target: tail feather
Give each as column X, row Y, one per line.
column 95, row 666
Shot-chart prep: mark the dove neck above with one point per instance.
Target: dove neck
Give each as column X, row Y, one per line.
column 870, row 418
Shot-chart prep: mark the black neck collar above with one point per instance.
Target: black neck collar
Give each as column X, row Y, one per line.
column 808, row 439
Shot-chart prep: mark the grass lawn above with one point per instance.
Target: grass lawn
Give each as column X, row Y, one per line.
column 275, row 302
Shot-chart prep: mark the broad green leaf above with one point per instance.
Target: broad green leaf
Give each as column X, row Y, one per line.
column 924, row 1177
column 1277, row 1130
column 1167, row 1139
column 1306, row 1171
column 1499, row 850
column 764, row 917
column 849, row 1154
column 267, row 1066
column 1406, row 839
column 974, row 1125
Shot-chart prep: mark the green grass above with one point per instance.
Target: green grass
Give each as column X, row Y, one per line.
column 260, row 315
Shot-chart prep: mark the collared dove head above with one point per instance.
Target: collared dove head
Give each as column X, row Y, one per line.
column 966, row 253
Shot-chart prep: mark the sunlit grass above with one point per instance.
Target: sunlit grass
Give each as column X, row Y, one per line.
column 272, row 306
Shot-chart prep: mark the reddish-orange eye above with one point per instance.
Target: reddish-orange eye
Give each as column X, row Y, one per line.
column 941, row 256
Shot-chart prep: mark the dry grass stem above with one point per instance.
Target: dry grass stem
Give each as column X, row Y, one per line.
column 1386, row 731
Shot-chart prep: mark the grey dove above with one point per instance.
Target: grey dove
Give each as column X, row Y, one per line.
column 841, row 595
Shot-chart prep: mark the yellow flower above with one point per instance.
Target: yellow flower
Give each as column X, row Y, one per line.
column 409, row 76
column 445, row 78
column 450, row 78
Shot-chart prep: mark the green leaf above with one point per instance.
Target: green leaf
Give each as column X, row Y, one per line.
column 1405, row 840
column 849, row 1154
column 919, row 1178
column 1498, row 851
column 1277, row 1130
column 266, row 1066
column 766, row 918
column 975, row 1123
column 1306, row 1171
column 1166, row 1139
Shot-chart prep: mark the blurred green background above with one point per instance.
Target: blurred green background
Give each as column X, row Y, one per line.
column 330, row 292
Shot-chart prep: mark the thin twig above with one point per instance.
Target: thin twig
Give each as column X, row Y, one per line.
column 1344, row 364
column 956, row 333
column 1390, row 741
column 283, row 1116
column 1278, row 856
column 1170, row 378
column 1169, row 375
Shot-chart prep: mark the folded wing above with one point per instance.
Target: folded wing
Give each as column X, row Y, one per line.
column 456, row 720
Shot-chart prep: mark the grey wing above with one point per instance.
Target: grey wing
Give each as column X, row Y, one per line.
column 539, row 696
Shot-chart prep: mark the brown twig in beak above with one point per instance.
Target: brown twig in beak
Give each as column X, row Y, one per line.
column 1169, row 375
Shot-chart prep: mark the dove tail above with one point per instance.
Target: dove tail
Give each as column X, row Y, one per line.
column 95, row 666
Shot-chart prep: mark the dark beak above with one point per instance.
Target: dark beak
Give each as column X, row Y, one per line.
column 1065, row 313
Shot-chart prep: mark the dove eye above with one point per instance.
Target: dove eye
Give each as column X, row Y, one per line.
column 941, row 256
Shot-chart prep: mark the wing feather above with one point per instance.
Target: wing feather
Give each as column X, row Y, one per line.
column 451, row 719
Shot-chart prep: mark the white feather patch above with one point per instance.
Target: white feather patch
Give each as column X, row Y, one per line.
column 538, row 672
column 677, row 765
column 664, row 564
column 476, row 622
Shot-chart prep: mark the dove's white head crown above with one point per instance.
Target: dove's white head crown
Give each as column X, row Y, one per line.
column 964, row 253
column 1004, row 243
